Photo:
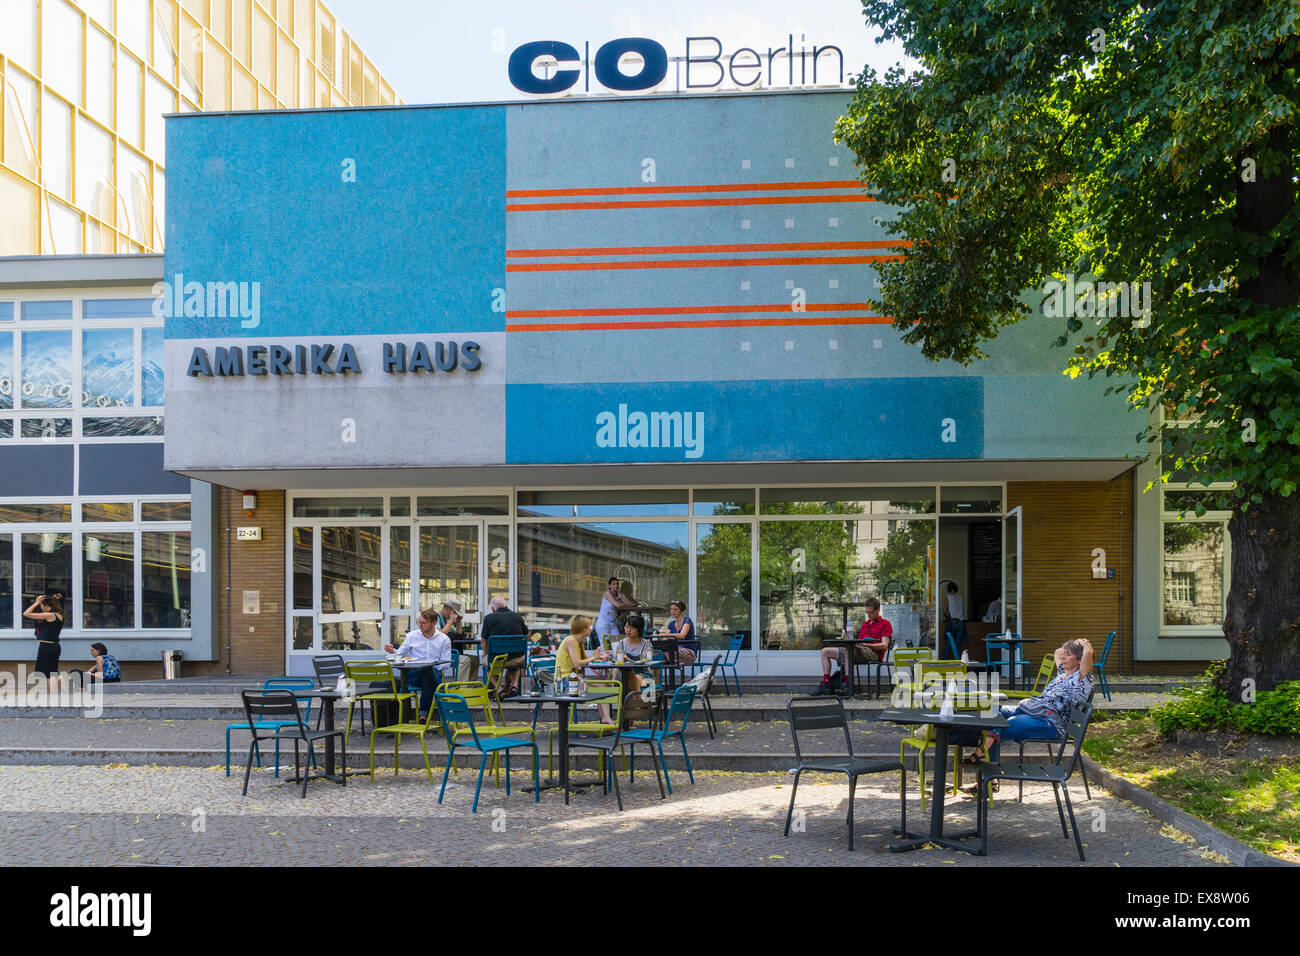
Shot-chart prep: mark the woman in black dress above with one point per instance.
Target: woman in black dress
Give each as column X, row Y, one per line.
column 47, row 612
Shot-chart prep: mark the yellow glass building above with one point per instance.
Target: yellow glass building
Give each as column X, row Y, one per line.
column 85, row 85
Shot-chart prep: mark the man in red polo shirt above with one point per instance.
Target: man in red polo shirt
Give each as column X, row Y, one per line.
column 874, row 635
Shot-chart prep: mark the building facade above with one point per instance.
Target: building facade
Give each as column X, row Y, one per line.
column 85, row 86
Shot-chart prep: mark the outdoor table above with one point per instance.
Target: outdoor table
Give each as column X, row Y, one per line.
column 942, row 727
column 850, row 660
column 1016, row 653
column 327, row 699
column 563, row 702
column 669, row 645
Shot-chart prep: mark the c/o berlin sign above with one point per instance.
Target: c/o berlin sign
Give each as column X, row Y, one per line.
column 744, row 66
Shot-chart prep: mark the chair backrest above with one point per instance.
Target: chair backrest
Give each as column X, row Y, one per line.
column 679, row 709
column 364, row 672
column 637, row 709
column 512, row 645
column 703, row 681
column 905, row 657
column 733, row 649
column 497, row 668
column 816, row 713
column 453, row 710
column 1105, row 651
column 1045, row 671
column 473, row 692
column 276, row 704
column 1076, row 725
column 540, row 662
column 292, row 683
column 329, row 668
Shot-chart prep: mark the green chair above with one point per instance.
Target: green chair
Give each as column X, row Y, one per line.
column 592, row 727
column 902, row 657
column 1045, row 672
column 495, row 672
column 944, row 670
column 369, row 672
column 397, row 730
column 477, row 698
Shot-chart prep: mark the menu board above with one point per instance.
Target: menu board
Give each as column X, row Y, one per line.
column 985, row 554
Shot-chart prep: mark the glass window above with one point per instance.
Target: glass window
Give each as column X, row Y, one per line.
column 1181, row 500
column 164, row 38
column 164, row 511
column 980, row 499
column 338, row 507
column 47, row 369
column 216, row 77
column 133, row 185
column 286, row 72
column 302, row 632
column 45, row 513
column 219, row 23
column 47, row 310
column 302, row 563
column 47, row 566
column 133, row 28
column 56, row 149
column 6, row 311
column 61, row 48
column 6, row 369
column 191, row 49
column 99, row 76
column 806, row 565
column 325, row 43
column 100, row 10
column 302, row 24
column 399, row 567
column 47, row 428
column 130, row 89
column 6, row 428
column 64, row 236
column 564, row 568
column 848, row 501
column 723, row 583
column 18, row 33
column 137, row 425
column 158, row 99
column 400, row 507
column 351, row 584
column 117, row 309
column 243, row 90
column 165, row 578
column 498, row 559
column 20, row 131
column 108, row 579
column 95, row 172
column 263, row 47
column 239, row 30
column 564, row 504
column 1194, row 573
column 6, row 582
column 428, row 506
column 151, row 367
column 107, row 511
column 449, row 565
column 724, row 501
column 107, row 368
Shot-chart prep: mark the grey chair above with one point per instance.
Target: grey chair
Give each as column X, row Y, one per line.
column 1057, row 774
column 281, row 707
column 329, row 668
column 827, row 713
column 633, row 706
column 1083, row 771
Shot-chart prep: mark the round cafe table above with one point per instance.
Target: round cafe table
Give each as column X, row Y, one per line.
column 563, row 702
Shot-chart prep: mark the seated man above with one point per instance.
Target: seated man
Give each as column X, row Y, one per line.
column 503, row 622
column 425, row 643
column 875, row 636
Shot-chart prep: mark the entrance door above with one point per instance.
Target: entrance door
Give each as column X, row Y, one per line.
column 1011, row 572
column 465, row 561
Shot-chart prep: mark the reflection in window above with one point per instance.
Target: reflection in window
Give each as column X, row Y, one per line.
column 302, row 561
column 47, row 566
column 151, row 367
column 1193, row 577
column 6, row 369
column 47, row 428
column 564, row 504
column 399, row 567
column 45, row 513
column 985, row 499
column 108, row 579
column 6, row 581
column 804, row 565
column 724, row 501
column 449, row 566
column 723, row 583
column 350, row 577
column 107, row 511
column 165, row 578
column 302, row 632
column 564, row 567
column 107, row 368
column 882, row 501
column 136, row 425
column 164, row 511
column 338, row 507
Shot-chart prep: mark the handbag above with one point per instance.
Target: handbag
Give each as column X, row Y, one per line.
column 1033, row 707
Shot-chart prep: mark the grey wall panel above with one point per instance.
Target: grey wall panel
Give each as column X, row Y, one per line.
column 127, row 469
column 36, row 470
column 203, row 573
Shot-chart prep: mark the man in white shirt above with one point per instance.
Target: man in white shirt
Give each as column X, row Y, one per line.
column 425, row 643
column 994, row 613
column 956, row 618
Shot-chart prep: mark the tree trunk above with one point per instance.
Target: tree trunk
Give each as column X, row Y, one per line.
column 1263, row 620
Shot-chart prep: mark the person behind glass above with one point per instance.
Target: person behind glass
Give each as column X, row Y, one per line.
column 1043, row 717
column 956, row 616
column 426, row 642
column 683, row 628
column 874, row 637
column 106, row 667
column 570, row 659
column 47, row 612
column 610, row 604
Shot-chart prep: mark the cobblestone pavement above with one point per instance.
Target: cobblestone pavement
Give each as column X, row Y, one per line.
column 196, row 817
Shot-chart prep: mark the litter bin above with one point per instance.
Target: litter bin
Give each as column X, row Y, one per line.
column 171, row 661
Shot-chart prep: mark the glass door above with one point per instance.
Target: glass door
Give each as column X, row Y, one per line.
column 450, row 564
column 351, row 588
column 1011, row 574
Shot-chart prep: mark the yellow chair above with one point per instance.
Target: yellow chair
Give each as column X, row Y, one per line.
column 905, row 658
column 397, row 730
column 592, row 727
column 475, row 694
column 1045, row 672
column 368, row 672
column 925, row 673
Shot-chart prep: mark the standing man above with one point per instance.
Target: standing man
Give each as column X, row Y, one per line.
column 874, row 637
column 956, row 617
column 425, row 643
column 503, row 622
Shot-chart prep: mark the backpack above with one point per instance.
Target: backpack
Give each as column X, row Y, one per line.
column 111, row 668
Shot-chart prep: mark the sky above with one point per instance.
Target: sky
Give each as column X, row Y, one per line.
column 455, row 51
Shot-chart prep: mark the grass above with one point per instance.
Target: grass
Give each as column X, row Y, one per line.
column 1254, row 798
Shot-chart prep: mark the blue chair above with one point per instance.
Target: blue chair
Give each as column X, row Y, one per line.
column 538, row 663
column 732, row 658
column 453, row 711
column 286, row 683
column 1100, row 666
column 679, row 712
column 991, row 644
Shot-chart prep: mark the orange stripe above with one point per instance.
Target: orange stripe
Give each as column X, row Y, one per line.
column 734, row 247
column 687, row 310
column 697, row 263
column 700, row 324
column 663, row 203
column 703, row 188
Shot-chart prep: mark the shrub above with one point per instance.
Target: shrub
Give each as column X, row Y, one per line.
column 1205, row 707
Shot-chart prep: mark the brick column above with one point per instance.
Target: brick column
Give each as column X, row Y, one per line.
column 257, row 640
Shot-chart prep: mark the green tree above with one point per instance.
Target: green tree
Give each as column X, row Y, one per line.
column 1124, row 142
